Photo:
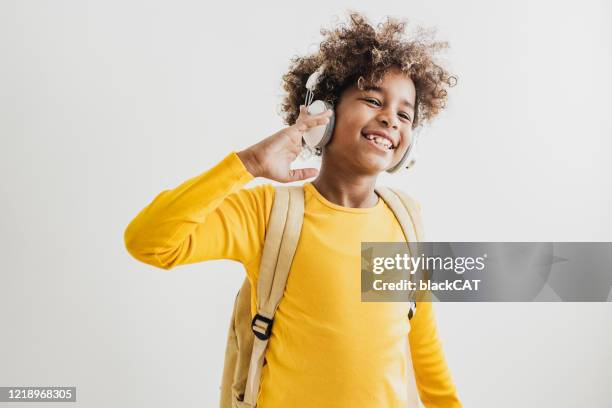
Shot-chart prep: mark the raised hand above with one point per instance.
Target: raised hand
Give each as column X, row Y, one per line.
column 271, row 158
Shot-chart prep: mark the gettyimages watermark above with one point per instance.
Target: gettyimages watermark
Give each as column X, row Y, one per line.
column 486, row 271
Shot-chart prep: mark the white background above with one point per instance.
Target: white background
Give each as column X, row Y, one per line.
column 105, row 104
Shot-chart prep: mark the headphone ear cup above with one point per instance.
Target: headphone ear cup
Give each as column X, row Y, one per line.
column 401, row 162
column 329, row 127
column 319, row 136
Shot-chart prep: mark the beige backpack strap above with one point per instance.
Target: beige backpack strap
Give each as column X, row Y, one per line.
column 413, row 210
column 409, row 218
column 405, row 211
column 282, row 235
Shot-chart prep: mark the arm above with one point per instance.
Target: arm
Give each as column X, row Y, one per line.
column 207, row 217
column 433, row 378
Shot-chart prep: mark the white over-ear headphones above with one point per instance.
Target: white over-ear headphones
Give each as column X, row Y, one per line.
column 319, row 136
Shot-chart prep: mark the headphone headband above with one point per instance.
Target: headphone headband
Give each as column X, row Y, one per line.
column 311, row 84
column 314, row 78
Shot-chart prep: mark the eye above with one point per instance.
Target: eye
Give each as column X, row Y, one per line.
column 372, row 101
column 406, row 116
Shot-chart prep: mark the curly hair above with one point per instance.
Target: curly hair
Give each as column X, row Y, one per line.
column 360, row 54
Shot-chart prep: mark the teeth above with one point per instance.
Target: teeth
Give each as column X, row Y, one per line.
column 380, row 141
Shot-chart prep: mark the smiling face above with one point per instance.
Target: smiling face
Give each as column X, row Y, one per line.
column 373, row 127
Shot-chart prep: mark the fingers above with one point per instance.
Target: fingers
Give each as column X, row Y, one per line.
column 304, row 113
column 306, row 121
column 302, row 174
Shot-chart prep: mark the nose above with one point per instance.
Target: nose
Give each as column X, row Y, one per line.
column 386, row 119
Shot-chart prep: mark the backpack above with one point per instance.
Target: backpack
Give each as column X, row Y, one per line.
column 248, row 336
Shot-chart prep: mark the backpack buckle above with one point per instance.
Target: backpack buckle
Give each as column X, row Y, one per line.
column 412, row 310
column 263, row 330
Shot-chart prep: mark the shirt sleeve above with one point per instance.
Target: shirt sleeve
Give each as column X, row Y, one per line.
column 434, row 382
column 207, row 217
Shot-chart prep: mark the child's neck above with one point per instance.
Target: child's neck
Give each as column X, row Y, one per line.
column 346, row 190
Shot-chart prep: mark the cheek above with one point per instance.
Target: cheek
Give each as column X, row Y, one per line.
column 405, row 143
column 347, row 126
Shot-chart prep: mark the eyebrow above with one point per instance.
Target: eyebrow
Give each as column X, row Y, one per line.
column 382, row 91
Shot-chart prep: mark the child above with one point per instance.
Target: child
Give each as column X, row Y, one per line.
column 327, row 349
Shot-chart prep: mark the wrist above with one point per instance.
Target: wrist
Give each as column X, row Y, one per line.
column 250, row 162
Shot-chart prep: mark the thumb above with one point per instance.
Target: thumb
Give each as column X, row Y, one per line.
column 302, row 174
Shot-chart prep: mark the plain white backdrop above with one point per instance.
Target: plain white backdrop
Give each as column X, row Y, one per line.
column 105, row 104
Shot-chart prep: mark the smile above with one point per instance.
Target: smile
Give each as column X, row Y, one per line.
column 379, row 143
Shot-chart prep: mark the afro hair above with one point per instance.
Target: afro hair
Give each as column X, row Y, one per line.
column 360, row 54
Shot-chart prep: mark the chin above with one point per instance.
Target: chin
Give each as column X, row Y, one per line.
column 374, row 165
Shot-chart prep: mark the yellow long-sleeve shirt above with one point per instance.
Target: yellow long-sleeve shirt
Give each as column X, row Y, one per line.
column 327, row 349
